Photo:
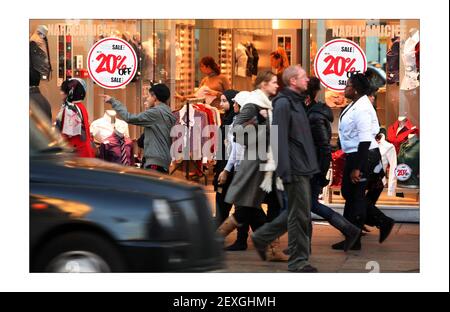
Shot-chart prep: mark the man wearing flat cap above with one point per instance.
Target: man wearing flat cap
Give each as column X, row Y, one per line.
column 157, row 121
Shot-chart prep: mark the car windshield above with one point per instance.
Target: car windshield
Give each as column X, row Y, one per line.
column 44, row 138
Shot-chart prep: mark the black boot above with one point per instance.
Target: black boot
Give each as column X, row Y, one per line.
column 342, row 245
column 351, row 232
column 385, row 226
column 241, row 239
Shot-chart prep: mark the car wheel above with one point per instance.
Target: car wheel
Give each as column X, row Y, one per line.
column 79, row 252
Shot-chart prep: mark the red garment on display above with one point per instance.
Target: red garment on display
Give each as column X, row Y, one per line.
column 417, row 49
column 83, row 148
column 402, row 136
column 211, row 122
column 337, row 165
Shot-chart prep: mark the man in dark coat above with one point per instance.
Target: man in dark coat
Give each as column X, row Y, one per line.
column 297, row 163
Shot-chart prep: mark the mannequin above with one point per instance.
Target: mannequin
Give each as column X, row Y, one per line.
column 73, row 119
column 410, row 80
column 40, row 68
column 409, row 155
column 117, row 148
column 241, row 60
column 105, row 126
column 398, row 132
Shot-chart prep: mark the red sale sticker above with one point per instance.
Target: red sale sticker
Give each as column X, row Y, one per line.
column 403, row 172
column 335, row 62
column 112, row 63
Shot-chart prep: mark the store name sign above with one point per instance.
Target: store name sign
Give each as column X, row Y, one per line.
column 78, row 30
column 112, row 63
column 388, row 31
column 336, row 61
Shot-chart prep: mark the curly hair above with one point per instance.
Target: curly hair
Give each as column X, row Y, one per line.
column 361, row 83
column 280, row 54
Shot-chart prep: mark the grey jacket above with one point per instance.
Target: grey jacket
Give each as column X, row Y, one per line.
column 296, row 151
column 157, row 122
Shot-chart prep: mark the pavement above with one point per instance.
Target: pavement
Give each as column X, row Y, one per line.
column 398, row 254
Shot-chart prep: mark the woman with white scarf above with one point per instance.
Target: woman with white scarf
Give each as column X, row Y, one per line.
column 254, row 179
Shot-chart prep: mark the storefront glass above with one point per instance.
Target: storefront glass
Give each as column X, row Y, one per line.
column 392, row 52
column 169, row 51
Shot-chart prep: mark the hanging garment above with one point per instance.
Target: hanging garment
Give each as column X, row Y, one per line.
column 104, row 127
column 409, row 155
column 117, row 149
column 40, row 65
column 393, row 63
column 241, row 60
column 410, row 80
column 248, row 52
column 197, row 121
column 397, row 136
column 389, row 158
column 211, row 122
column 254, row 70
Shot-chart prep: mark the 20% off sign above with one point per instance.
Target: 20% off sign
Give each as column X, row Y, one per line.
column 112, row 63
column 336, row 61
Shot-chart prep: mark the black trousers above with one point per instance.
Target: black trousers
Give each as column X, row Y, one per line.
column 255, row 217
column 360, row 198
column 222, row 208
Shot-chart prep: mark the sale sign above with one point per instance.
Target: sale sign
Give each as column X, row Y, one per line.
column 335, row 62
column 403, row 172
column 112, row 63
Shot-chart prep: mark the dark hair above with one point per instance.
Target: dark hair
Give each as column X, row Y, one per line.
column 208, row 61
column 263, row 76
column 361, row 83
column 313, row 88
column 73, row 89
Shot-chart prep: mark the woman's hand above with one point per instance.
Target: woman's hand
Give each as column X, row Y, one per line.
column 355, row 175
column 106, row 98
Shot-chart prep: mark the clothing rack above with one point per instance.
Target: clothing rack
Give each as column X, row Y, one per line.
column 186, row 148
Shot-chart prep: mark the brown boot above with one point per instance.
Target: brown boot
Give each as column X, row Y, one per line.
column 274, row 252
column 227, row 226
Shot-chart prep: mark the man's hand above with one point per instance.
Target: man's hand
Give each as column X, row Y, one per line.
column 223, row 176
column 106, row 98
column 355, row 176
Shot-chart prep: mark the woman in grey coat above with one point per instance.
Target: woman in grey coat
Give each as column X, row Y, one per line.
column 254, row 179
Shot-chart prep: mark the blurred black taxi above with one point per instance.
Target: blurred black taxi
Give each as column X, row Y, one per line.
column 87, row 215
